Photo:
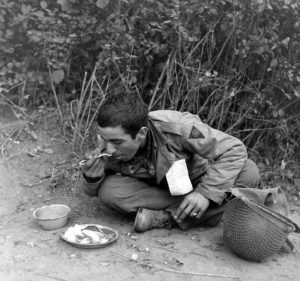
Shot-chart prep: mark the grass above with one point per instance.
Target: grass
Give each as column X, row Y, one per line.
column 85, row 108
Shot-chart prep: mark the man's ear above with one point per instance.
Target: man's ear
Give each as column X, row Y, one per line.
column 142, row 133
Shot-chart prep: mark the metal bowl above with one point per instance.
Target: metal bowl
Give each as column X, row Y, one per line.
column 52, row 217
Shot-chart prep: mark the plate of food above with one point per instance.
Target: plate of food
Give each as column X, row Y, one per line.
column 89, row 236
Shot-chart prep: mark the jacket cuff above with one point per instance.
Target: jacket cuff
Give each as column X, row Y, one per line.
column 91, row 180
column 217, row 196
column 91, row 188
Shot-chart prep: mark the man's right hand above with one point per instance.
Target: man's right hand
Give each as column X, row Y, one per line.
column 94, row 168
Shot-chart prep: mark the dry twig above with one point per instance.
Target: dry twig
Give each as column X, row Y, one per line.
column 10, row 157
column 178, row 252
column 197, row 273
column 55, row 96
column 58, row 198
column 50, row 277
column 180, row 272
column 36, row 183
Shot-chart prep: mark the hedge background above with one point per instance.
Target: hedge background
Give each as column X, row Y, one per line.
column 234, row 63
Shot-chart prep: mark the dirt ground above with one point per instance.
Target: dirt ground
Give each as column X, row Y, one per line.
column 37, row 168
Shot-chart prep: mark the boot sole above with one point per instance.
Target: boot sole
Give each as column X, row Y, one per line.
column 138, row 220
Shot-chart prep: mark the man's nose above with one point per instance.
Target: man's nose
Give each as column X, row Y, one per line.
column 110, row 148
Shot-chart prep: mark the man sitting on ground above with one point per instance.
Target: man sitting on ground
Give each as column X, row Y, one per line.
column 145, row 145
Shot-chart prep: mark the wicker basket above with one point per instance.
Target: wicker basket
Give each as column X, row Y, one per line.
column 253, row 231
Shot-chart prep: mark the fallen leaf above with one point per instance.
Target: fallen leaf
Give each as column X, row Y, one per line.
column 31, row 154
column 48, row 151
column 134, row 257
column 44, row 150
column 45, row 176
column 20, row 208
column 33, row 135
column 31, row 244
column 134, row 237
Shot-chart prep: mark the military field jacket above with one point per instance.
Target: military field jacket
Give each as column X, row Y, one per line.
column 214, row 158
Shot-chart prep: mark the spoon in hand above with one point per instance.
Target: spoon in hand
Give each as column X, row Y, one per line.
column 83, row 162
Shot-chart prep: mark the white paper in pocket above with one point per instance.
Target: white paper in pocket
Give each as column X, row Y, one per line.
column 178, row 178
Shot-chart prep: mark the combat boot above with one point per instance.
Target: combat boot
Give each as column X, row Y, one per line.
column 148, row 219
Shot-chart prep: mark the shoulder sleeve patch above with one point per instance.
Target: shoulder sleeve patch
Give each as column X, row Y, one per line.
column 195, row 134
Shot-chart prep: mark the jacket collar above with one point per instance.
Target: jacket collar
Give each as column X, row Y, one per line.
column 156, row 134
column 162, row 156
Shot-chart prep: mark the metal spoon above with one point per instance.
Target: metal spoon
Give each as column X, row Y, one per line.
column 83, row 162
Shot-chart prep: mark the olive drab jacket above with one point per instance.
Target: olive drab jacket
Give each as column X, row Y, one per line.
column 214, row 158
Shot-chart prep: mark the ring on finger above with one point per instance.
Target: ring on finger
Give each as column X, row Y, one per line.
column 194, row 214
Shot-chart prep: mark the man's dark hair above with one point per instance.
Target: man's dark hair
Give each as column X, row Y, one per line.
column 125, row 109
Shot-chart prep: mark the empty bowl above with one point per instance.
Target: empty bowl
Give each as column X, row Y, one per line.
column 52, row 217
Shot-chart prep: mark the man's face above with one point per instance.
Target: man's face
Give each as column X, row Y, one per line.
column 120, row 144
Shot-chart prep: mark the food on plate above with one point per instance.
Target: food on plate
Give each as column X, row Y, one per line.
column 87, row 234
column 93, row 235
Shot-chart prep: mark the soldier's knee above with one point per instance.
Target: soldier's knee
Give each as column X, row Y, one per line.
column 253, row 168
column 114, row 196
column 249, row 176
column 105, row 192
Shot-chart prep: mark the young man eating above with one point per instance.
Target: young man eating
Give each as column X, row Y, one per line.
column 149, row 150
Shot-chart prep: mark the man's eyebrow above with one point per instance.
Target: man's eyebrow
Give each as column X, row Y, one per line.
column 112, row 139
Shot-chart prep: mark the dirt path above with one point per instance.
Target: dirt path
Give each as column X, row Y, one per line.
column 29, row 253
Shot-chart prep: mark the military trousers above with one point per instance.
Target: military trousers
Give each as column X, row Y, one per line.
column 127, row 194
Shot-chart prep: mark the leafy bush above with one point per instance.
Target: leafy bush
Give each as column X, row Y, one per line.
column 235, row 63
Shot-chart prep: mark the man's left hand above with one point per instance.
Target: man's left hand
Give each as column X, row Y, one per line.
column 194, row 205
